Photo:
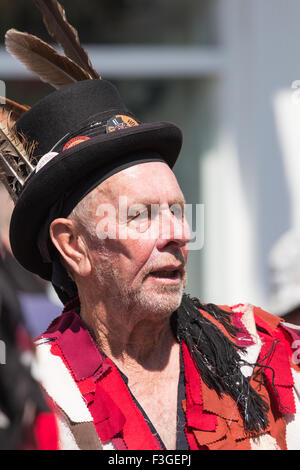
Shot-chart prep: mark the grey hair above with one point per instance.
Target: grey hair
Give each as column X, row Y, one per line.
column 81, row 215
column 83, row 212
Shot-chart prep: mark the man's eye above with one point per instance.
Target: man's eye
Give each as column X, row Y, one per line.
column 137, row 212
column 139, row 215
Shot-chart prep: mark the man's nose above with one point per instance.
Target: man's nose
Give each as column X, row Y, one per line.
column 174, row 226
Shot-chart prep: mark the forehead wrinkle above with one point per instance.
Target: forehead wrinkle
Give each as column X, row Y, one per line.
column 124, row 183
column 153, row 201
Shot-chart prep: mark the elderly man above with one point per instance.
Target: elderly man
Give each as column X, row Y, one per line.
column 133, row 362
column 128, row 288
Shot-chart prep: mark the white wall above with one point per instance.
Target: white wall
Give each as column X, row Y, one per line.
column 249, row 205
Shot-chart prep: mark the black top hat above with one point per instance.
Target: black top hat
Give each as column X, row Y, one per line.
column 83, row 134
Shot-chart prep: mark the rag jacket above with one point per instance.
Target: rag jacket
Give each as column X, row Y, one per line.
column 96, row 410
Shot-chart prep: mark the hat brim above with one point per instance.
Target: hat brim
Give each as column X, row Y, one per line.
column 67, row 169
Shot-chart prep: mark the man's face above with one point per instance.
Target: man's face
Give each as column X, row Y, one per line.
column 141, row 264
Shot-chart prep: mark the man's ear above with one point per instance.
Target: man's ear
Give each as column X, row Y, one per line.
column 71, row 246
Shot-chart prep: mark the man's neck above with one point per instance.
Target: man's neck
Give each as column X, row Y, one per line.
column 136, row 347
column 147, row 352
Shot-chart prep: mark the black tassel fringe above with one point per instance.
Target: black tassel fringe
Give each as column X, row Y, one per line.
column 217, row 358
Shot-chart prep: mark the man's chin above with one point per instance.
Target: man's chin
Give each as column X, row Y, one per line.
column 160, row 303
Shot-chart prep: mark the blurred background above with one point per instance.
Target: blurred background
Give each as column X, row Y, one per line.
column 226, row 71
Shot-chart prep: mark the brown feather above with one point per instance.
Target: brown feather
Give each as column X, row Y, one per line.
column 43, row 60
column 55, row 20
column 11, row 108
column 17, row 147
column 16, row 161
column 8, row 121
column 15, row 164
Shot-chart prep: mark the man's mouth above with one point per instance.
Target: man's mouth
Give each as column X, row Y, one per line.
column 168, row 273
column 171, row 274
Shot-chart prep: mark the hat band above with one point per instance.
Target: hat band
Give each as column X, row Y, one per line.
column 101, row 123
column 112, row 122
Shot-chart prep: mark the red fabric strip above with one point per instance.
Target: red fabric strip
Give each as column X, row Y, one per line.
column 136, row 433
column 196, row 417
column 279, row 379
column 46, row 433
